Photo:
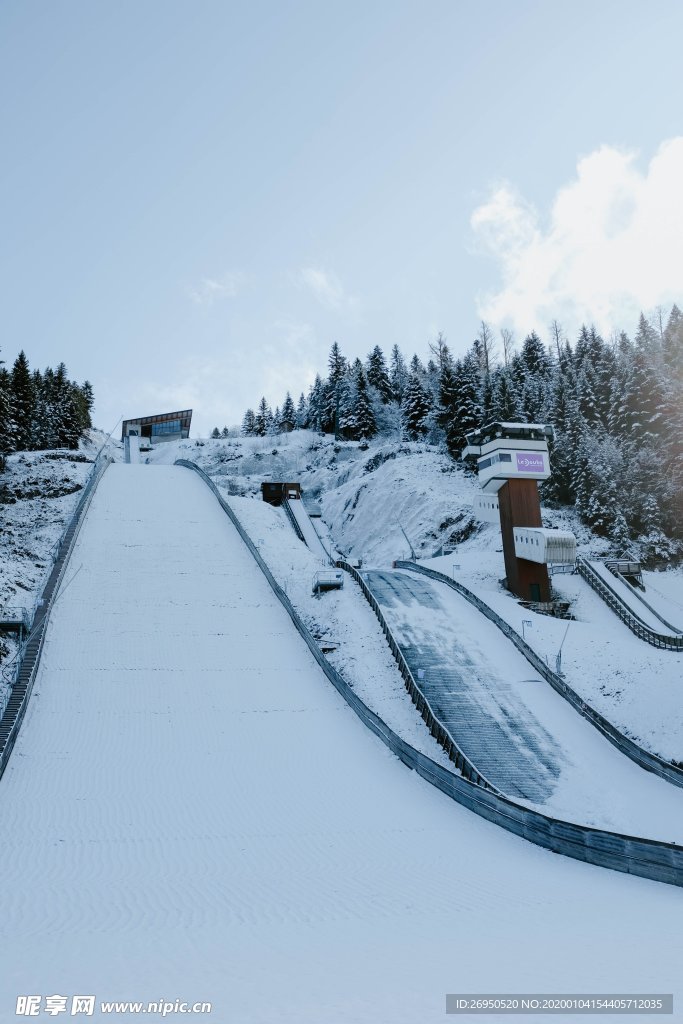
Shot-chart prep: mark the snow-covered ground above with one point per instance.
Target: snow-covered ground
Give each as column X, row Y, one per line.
column 39, row 491
column 193, row 812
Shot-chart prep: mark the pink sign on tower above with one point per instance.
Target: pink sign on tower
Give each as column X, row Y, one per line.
column 530, row 462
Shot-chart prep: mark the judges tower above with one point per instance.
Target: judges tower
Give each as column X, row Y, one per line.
column 511, row 459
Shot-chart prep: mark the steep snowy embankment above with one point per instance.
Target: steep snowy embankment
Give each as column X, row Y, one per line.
column 38, row 493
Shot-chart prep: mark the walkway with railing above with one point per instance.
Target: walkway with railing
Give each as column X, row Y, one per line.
column 624, row 608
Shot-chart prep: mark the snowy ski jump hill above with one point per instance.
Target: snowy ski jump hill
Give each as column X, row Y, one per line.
column 369, row 495
column 192, row 810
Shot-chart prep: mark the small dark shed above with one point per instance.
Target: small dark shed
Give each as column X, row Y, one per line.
column 274, row 492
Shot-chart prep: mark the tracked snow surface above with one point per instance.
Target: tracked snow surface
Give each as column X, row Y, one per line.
column 193, row 812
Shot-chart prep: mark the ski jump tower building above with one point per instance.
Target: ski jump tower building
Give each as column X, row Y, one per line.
column 511, row 459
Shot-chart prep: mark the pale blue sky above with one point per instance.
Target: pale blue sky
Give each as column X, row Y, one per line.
column 199, row 197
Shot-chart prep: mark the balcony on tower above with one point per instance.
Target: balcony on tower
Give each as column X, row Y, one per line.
column 509, row 451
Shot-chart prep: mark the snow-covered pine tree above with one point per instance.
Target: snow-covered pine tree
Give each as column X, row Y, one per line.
column 273, row 425
column 672, row 346
column 506, row 404
column 338, row 368
column 534, row 357
column 316, row 404
column 225, row 432
column 263, row 418
column 288, row 415
column 249, row 424
column 215, row 433
column 345, row 406
column 23, row 401
column 486, row 395
column 416, row 405
column 7, row 426
column 416, row 366
column 398, row 374
column 648, row 400
column 84, row 398
column 378, row 376
column 302, row 412
column 365, row 422
column 69, row 428
column 466, row 407
column 447, row 396
column 586, row 386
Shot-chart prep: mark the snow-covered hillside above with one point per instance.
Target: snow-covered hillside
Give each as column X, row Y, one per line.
column 382, row 500
column 38, row 493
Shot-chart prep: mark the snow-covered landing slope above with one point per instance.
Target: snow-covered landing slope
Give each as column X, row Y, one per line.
column 523, row 736
column 193, row 812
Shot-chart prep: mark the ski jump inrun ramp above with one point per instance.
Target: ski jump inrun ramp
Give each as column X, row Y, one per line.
column 191, row 811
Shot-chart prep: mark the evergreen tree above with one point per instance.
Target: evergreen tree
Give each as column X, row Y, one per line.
column 249, row 424
column 288, row 414
column 337, row 364
column 215, row 433
column 7, row 425
column 263, row 418
column 338, row 368
column 447, row 395
column 225, row 432
column 486, row 396
column 23, row 400
column 273, row 422
column 364, row 422
column 377, row 375
column 316, row 405
column 398, row 374
column 672, row 347
column 345, row 407
column 467, row 412
column 534, row 357
column 302, row 412
column 416, row 367
column 69, row 427
column 415, row 407
column 506, row 404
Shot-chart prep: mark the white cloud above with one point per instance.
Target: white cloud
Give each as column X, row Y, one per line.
column 612, row 244
column 219, row 385
column 326, row 287
column 225, row 287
